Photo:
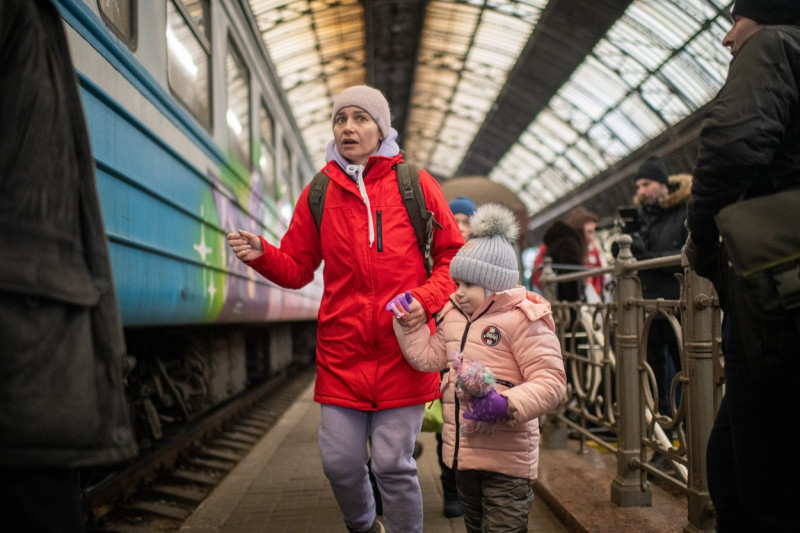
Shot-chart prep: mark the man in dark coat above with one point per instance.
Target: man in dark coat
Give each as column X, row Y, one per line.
column 565, row 246
column 662, row 199
column 62, row 403
column 750, row 147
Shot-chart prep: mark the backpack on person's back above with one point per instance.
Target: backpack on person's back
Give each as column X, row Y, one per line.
column 414, row 199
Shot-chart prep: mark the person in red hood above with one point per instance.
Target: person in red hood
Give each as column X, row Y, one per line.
column 367, row 390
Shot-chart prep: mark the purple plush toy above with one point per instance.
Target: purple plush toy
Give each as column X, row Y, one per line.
column 475, row 390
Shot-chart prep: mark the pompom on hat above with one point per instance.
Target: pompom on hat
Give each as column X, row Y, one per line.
column 370, row 100
column 463, row 205
column 768, row 11
column 653, row 169
column 488, row 259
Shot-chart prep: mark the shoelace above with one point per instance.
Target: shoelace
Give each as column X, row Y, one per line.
column 357, row 171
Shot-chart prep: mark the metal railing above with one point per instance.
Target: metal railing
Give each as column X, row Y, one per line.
column 612, row 397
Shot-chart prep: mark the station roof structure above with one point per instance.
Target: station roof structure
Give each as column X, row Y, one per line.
column 551, row 98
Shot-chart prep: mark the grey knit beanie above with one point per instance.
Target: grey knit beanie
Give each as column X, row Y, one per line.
column 488, row 259
column 370, row 100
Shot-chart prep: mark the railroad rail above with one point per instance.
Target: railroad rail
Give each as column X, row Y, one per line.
column 163, row 487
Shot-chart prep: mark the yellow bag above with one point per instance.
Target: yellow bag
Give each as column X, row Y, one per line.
column 432, row 420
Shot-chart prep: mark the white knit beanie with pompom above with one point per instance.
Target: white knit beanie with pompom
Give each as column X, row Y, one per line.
column 488, row 259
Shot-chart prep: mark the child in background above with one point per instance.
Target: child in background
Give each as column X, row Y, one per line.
column 463, row 208
column 492, row 321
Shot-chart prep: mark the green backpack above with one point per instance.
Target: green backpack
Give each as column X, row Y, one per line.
column 408, row 181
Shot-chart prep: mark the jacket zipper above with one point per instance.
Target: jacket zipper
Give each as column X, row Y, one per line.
column 455, row 396
column 379, row 229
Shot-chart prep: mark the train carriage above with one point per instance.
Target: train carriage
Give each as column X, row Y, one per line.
column 192, row 138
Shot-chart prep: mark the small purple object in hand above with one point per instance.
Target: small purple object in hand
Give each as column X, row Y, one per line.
column 400, row 305
column 489, row 408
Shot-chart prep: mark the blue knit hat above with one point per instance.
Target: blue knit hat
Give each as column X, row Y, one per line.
column 464, row 205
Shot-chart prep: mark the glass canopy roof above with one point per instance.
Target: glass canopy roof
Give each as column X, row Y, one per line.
column 657, row 64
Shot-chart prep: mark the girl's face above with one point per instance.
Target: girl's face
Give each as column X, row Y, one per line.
column 355, row 134
column 469, row 296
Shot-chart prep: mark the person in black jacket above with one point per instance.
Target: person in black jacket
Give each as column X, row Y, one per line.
column 662, row 200
column 750, row 147
column 62, row 402
column 566, row 246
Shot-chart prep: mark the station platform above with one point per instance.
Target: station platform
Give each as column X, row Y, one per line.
column 280, row 488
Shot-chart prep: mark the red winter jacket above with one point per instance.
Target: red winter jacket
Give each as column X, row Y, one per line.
column 359, row 363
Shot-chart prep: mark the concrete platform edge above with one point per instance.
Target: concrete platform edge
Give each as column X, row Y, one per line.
column 215, row 510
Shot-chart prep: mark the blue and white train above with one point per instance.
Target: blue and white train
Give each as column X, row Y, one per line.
column 192, row 138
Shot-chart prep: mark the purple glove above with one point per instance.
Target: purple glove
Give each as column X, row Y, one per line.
column 400, row 305
column 489, row 408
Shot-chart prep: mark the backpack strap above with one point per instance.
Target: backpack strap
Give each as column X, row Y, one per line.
column 421, row 219
column 413, row 198
column 316, row 197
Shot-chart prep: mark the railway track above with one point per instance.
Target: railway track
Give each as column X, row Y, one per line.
column 162, row 488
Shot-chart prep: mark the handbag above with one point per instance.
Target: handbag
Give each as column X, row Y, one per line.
column 432, row 419
column 762, row 239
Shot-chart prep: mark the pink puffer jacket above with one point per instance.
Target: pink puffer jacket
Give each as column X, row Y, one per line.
column 513, row 335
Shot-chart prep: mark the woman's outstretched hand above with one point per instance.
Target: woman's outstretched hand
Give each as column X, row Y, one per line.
column 247, row 246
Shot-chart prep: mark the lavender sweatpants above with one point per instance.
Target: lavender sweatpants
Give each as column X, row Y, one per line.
column 343, row 437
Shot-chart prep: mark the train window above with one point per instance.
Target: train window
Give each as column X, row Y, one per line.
column 120, row 17
column 198, row 14
column 237, row 115
column 188, row 61
column 266, row 160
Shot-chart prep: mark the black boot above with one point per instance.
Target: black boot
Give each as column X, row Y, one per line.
column 453, row 508
column 452, row 505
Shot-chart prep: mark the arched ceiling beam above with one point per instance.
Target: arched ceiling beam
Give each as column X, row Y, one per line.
column 565, row 34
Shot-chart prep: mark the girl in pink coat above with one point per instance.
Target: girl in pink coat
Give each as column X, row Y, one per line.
column 505, row 371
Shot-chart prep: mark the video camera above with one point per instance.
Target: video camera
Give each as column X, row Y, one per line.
column 629, row 221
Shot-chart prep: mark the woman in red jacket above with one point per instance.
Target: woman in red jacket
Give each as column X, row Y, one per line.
column 368, row 392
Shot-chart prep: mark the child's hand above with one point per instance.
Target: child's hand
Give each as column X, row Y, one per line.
column 400, row 305
column 489, row 408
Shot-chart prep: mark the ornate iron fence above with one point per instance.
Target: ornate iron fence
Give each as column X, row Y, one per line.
column 612, row 397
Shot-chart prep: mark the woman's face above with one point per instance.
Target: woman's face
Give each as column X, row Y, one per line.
column 590, row 231
column 356, row 135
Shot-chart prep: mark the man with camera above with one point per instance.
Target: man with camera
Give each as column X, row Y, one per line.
column 659, row 231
